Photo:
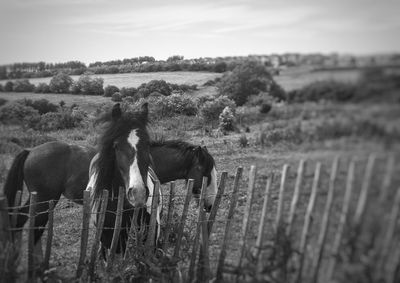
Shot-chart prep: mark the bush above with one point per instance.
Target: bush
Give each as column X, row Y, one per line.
column 128, row 91
column 227, row 120
column 18, row 114
column 182, row 88
column 23, row 86
column 9, row 86
column 110, row 90
column 172, row 105
column 60, row 83
column 90, row 86
column 211, row 110
column 246, row 79
column 41, row 105
column 116, row 97
column 243, row 141
column 42, row 88
column 323, row 90
column 3, row 101
column 161, row 86
column 265, row 107
column 65, row 119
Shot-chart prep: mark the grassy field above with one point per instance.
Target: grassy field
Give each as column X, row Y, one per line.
column 136, row 79
column 359, row 129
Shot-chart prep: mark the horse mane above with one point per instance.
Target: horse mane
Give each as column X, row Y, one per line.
column 188, row 151
column 108, row 177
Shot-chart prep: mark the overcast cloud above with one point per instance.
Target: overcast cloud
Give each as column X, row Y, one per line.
column 89, row 30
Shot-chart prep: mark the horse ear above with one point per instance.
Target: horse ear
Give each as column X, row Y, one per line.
column 116, row 111
column 144, row 112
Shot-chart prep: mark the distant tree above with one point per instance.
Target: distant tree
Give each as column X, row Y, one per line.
column 90, row 86
column 60, row 83
column 246, row 79
column 23, row 86
column 110, row 90
column 175, row 58
column 9, row 86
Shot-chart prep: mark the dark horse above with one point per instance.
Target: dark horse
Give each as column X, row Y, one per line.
column 123, row 160
column 56, row 168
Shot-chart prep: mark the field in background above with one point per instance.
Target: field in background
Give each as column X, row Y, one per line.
column 227, row 150
column 136, row 79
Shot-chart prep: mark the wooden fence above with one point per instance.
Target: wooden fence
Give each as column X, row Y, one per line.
column 339, row 228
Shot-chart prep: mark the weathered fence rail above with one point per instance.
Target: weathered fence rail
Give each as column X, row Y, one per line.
column 325, row 234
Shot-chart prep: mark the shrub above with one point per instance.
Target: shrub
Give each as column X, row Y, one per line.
column 3, row 101
column 17, row 113
column 90, row 86
column 323, row 90
column 174, row 104
column 116, row 97
column 65, row 119
column 42, row 88
column 60, row 83
column 182, row 88
column 160, row 86
column 41, row 105
column 211, row 110
column 246, row 79
column 243, row 141
column 128, row 91
column 110, row 90
column 23, row 86
column 227, row 120
column 265, row 107
column 9, row 86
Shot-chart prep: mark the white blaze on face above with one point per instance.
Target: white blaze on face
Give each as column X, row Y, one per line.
column 135, row 178
column 211, row 190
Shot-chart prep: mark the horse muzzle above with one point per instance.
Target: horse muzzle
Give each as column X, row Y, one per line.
column 137, row 197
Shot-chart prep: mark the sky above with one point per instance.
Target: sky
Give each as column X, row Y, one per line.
column 101, row 30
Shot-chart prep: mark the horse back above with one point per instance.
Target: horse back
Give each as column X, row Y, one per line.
column 53, row 167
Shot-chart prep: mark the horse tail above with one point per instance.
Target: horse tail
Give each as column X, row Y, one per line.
column 15, row 177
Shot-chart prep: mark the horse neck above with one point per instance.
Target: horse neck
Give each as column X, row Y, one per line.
column 171, row 164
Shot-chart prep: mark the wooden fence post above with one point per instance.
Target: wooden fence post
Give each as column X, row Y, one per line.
column 133, row 234
column 99, row 231
column 281, row 197
column 117, row 228
column 84, row 232
column 342, row 220
column 170, row 213
column 325, row 222
column 214, row 209
column 232, row 206
column 295, row 198
column 260, row 236
column 387, row 179
column 204, row 266
column 246, row 216
column 307, row 221
column 49, row 239
column 200, row 220
column 362, row 200
column 181, row 225
column 31, row 237
column 151, row 236
column 389, row 233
